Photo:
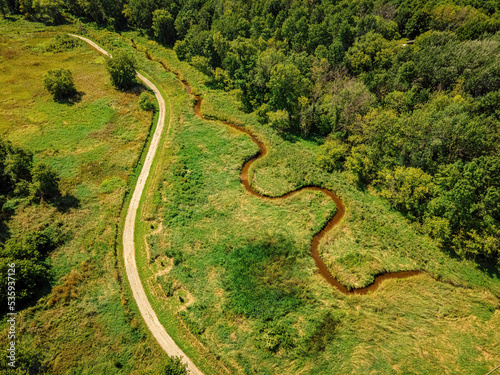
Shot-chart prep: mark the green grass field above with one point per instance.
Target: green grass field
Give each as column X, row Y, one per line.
column 86, row 325
column 229, row 274
column 235, row 269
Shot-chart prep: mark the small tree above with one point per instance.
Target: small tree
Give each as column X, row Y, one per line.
column 145, row 102
column 59, row 83
column 174, row 366
column 45, row 183
column 121, row 68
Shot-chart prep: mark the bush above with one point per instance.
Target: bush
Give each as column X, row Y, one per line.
column 62, row 42
column 331, row 155
column 59, row 83
column 173, row 366
column 181, row 49
column 45, row 185
column 121, row 69
column 145, row 102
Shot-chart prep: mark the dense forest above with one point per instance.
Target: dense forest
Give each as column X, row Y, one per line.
column 402, row 95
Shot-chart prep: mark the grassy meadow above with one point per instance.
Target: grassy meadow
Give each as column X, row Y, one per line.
column 229, row 274
column 85, row 325
column 235, row 269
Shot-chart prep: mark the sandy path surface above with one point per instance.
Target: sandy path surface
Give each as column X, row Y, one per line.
column 138, row 292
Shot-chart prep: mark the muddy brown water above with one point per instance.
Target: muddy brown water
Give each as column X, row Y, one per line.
column 323, row 270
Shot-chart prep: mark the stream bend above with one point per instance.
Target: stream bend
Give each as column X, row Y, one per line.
column 323, row 270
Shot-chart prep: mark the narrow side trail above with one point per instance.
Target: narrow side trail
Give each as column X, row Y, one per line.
column 147, row 312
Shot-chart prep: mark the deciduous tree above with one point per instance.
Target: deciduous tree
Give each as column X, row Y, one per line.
column 121, row 69
column 59, row 83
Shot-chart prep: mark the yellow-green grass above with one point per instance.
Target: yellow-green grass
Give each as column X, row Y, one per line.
column 85, row 325
column 415, row 325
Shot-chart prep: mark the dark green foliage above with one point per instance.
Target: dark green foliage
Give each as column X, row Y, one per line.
column 15, row 170
column 276, row 335
column 62, row 42
column 167, row 284
column 4, row 7
column 468, row 197
column 188, row 183
column 121, row 69
column 163, row 27
column 194, row 327
column 322, row 333
column 332, row 154
column 20, row 178
column 140, row 13
column 60, row 84
column 173, row 366
column 28, row 252
column 49, row 12
column 28, row 361
column 146, row 102
column 45, row 185
column 105, row 13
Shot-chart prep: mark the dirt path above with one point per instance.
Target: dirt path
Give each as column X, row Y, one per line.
column 138, row 292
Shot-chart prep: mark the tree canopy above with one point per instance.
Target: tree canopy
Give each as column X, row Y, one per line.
column 403, row 92
column 60, row 84
column 121, row 69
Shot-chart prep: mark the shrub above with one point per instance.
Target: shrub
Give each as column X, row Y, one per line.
column 145, row 102
column 182, row 51
column 203, row 65
column 166, row 284
column 173, row 366
column 331, row 155
column 59, row 83
column 280, row 120
column 62, row 42
column 45, row 185
column 121, row 69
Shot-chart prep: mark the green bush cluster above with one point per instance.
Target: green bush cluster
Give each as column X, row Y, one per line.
column 173, row 366
column 187, row 184
column 29, row 253
column 62, row 43
column 21, row 183
column 121, row 69
column 60, row 84
column 247, row 268
column 146, row 102
column 21, row 179
column 194, row 327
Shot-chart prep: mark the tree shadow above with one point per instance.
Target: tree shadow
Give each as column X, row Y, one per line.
column 71, row 100
column 489, row 266
column 65, row 202
column 4, row 230
column 289, row 137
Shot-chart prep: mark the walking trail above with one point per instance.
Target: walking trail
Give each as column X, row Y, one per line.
column 147, row 312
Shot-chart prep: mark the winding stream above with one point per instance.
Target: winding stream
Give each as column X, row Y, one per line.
column 323, row 270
